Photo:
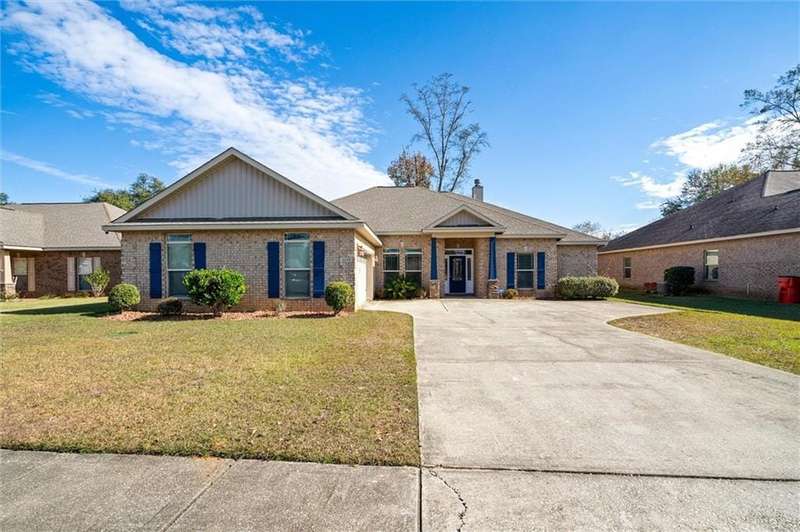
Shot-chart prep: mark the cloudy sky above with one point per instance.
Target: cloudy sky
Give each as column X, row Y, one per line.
column 594, row 111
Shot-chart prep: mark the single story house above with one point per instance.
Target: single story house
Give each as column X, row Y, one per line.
column 290, row 243
column 49, row 248
column 738, row 242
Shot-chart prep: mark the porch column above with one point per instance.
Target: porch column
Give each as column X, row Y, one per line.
column 6, row 280
column 434, row 291
column 491, row 285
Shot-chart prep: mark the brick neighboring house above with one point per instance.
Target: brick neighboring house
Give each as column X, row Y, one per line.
column 289, row 243
column 48, row 248
column 738, row 242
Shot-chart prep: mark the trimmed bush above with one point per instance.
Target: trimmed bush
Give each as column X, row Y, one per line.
column 510, row 293
column 124, row 296
column 679, row 279
column 586, row 287
column 217, row 289
column 339, row 295
column 171, row 307
column 98, row 280
column 400, row 288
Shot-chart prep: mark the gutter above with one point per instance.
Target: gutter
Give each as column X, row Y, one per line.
column 705, row 240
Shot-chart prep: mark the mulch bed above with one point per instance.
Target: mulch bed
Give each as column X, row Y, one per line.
column 132, row 315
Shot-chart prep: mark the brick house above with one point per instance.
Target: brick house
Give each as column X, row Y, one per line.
column 289, row 243
column 49, row 248
column 738, row 242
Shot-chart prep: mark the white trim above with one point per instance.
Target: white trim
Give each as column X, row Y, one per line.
column 551, row 236
column 199, row 226
column 703, row 241
column 231, row 152
column 20, row 248
column 109, row 248
column 593, row 243
column 469, row 266
column 470, row 210
column 453, row 232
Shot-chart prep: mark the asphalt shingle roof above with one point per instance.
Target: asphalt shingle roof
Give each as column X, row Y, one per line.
column 58, row 225
column 412, row 209
column 741, row 210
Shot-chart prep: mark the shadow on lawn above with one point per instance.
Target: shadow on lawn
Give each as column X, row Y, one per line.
column 745, row 307
column 79, row 309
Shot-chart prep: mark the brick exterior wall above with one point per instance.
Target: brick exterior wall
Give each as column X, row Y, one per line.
column 51, row 269
column 529, row 245
column 577, row 261
column 404, row 242
column 246, row 252
column 748, row 267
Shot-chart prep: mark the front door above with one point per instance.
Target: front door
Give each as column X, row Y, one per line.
column 458, row 278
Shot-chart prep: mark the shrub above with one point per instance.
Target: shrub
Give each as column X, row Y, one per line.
column 400, row 288
column 679, row 279
column 339, row 295
column 586, row 287
column 216, row 289
column 98, row 280
column 510, row 293
column 170, row 307
column 124, row 296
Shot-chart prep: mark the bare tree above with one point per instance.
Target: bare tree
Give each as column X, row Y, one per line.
column 441, row 109
column 595, row 229
column 410, row 170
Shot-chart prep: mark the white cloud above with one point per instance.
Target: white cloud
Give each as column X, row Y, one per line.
column 49, row 169
column 299, row 126
column 709, row 144
column 652, row 188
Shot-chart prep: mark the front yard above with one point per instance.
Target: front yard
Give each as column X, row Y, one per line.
column 761, row 332
column 318, row 389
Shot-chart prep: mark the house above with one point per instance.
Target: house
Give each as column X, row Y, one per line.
column 289, row 243
column 738, row 242
column 50, row 248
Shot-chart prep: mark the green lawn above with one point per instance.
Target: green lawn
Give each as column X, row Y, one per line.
column 762, row 332
column 319, row 389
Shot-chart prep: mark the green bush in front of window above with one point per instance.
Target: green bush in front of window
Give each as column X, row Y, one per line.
column 586, row 287
column 217, row 289
column 98, row 281
column 400, row 288
column 124, row 296
column 339, row 295
column 679, row 279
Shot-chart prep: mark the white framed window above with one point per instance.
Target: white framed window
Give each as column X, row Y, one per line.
column 297, row 265
column 19, row 271
column 711, row 263
column 180, row 259
column 525, row 270
column 413, row 258
column 84, row 266
column 627, row 269
column 391, row 264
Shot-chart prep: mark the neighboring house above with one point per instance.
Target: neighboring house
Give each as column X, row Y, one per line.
column 49, row 248
column 289, row 243
column 738, row 242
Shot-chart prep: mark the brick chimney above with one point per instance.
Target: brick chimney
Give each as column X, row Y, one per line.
column 477, row 190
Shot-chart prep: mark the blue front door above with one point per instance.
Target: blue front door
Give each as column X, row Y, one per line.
column 458, row 278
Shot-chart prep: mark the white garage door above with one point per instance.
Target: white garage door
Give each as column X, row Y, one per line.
column 361, row 281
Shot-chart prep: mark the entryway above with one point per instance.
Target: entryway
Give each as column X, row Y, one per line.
column 459, row 271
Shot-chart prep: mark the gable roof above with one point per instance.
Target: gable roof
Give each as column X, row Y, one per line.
column 464, row 216
column 58, row 225
column 408, row 210
column 767, row 203
column 323, row 209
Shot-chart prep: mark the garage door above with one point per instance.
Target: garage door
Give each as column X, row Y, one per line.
column 361, row 281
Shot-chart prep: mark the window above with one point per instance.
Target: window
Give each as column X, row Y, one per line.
column 712, row 264
column 413, row 258
column 297, row 265
column 83, row 268
column 391, row 264
column 19, row 270
column 626, row 267
column 180, row 258
column 525, row 270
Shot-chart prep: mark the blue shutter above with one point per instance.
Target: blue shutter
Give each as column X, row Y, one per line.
column 273, row 269
column 155, row 270
column 540, row 270
column 319, row 268
column 492, row 258
column 199, row 255
column 434, row 266
column 511, row 259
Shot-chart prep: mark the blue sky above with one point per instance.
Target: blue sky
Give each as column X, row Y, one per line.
column 593, row 110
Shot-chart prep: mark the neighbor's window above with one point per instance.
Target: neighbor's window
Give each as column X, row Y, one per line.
column 297, row 265
column 414, row 265
column 391, row 264
column 19, row 270
column 525, row 270
column 712, row 264
column 180, row 259
column 83, row 268
column 626, row 267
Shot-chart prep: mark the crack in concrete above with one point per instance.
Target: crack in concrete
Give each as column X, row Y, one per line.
column 215, row 477
column 463, row 512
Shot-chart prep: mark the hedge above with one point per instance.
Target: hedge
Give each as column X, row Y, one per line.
column 586, row 287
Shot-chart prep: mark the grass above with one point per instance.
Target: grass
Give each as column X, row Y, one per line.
column 339, row 390
column 762, row 332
